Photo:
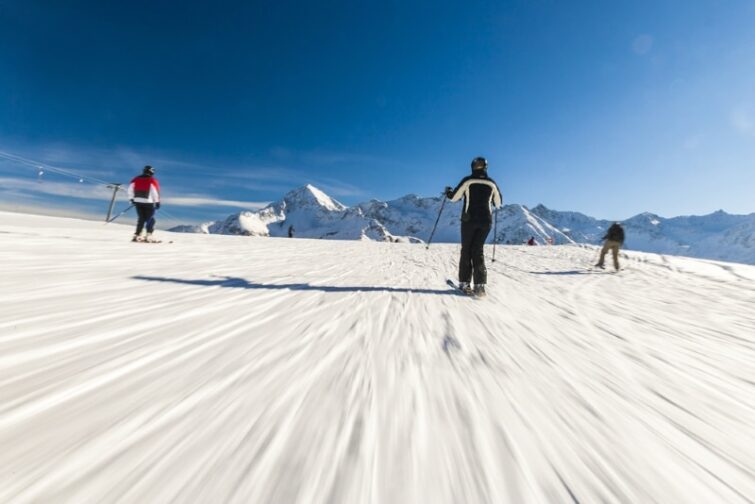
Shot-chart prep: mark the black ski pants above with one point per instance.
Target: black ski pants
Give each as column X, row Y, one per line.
column 146, row 212
column 473, row 236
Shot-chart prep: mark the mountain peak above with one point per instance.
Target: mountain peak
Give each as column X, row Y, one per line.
column 309, row 195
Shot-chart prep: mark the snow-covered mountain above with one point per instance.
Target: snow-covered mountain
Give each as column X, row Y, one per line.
column 714, row 236
column 314, row 214
column 311, row 213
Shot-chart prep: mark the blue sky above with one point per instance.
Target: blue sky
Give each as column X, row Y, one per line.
column 592, row 106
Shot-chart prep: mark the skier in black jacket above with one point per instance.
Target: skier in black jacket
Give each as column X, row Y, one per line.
column 614, row 240
column 479, row 192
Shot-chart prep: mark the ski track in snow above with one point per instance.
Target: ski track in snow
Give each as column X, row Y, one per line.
column 232, row 369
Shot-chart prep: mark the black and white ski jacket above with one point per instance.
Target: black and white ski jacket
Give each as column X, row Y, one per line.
column 479, row 192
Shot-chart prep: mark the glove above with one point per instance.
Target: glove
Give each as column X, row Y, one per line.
column 132, row 201
column 448, row 191
column 157, row 206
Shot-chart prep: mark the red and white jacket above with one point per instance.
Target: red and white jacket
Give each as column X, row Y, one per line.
column 144, row 189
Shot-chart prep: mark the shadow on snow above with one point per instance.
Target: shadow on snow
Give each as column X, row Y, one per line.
column 570, row 272
column 240, row 283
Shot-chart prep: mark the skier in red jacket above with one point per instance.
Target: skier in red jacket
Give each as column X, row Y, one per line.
column 144, row 193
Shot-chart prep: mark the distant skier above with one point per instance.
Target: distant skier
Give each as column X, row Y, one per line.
column 144, row 193
column 290, row 231
column 614, row 240
column 479, row 192
column 531, row 241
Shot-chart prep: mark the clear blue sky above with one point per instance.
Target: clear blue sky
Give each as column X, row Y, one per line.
column 609, row 108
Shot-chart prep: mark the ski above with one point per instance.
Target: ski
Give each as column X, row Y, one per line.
column 150, row 241
column 458, row 289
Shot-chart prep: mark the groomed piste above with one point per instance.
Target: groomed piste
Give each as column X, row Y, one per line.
column 274, row 370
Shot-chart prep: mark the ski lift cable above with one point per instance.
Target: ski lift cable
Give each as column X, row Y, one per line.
column 43, row 167
column 170, row 217
column 37, row 164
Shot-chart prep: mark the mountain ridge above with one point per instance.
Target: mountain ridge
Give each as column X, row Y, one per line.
column 314, row 214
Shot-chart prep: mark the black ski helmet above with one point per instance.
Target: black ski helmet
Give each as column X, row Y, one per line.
column 479, row 163
column 148, row 170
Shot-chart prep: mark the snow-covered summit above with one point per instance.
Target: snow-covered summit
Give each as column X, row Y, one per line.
column 309, row 213
column 310, row 197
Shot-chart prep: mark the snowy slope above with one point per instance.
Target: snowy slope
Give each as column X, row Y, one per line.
column 224, row 369
column 579, row 227
column 516, row 224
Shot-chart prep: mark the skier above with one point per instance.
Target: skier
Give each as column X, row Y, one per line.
column 478, row 191
column 290, row 231
column 614, row 239
column 144, row 193
column 531, row 241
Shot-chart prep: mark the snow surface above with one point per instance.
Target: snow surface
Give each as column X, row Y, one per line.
column 234, row 369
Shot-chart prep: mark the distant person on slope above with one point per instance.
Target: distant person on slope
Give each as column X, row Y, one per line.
column 614, row 240
column 531, row 242
column 290, row 231
column 479, row 192
column 144, row 193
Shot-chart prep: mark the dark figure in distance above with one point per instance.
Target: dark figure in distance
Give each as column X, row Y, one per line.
column 479, row 192
column 614, row 240
column 290, row 231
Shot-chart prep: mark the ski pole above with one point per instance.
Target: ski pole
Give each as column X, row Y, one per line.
column 123, row 212
column 495, row 231
column 430, row 240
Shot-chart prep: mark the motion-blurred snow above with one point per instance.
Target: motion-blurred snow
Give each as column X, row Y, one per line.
column 265, row 370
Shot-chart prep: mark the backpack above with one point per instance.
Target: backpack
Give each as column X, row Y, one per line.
column 615, row 233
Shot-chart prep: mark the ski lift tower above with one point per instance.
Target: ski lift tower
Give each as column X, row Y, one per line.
column 115, row 187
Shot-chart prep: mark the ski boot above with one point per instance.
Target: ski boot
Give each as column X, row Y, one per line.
column 150, row 239
column 479, row 290
column 136, row 238
column 465, row 288
column 600, row 266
